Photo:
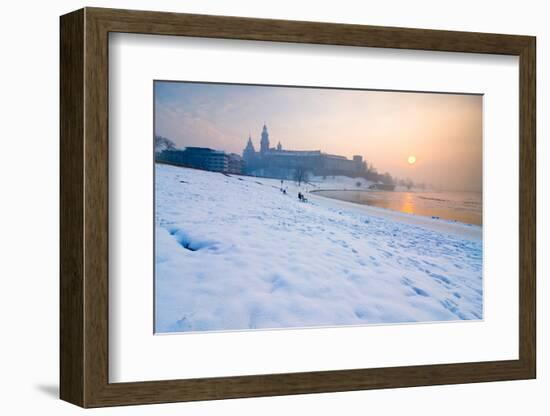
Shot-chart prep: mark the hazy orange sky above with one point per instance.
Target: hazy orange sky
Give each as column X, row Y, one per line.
column 443, row 131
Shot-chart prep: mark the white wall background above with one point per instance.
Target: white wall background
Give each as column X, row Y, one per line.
column 29, row 85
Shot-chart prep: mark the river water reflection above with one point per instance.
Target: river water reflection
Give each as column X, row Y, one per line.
column 464, row 207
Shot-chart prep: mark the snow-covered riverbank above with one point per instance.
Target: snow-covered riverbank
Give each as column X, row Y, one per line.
column 233, row 253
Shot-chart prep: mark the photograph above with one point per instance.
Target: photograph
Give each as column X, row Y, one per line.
column 281, row 207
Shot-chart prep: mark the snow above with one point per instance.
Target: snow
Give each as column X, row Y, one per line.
column 235, row 253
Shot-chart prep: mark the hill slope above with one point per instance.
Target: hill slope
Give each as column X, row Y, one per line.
column 233, row 252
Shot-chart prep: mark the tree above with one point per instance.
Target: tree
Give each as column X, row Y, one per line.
column 386, row 179
column 300, row 175
column 162, row 144
column 371, row 174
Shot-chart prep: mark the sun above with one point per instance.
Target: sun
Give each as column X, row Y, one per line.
column 411, row 159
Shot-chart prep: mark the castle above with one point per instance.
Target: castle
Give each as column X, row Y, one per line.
column 277, row 162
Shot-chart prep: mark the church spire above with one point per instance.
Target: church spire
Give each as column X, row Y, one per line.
column 249, row 150
column 264, row 143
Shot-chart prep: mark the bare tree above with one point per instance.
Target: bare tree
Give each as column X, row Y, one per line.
column 162, row 144
column 300, row 175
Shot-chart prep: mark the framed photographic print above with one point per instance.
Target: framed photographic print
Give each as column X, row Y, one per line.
column 255, row 207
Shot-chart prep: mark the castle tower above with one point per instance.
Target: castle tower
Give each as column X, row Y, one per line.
column 264, row 143
column 249, row 151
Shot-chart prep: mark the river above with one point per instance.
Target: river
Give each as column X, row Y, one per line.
column 464, row 207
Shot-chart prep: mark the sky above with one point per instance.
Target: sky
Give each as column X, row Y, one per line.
column 442, row 131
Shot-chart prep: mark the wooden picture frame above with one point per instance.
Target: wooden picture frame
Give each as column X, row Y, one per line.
column 84, row 207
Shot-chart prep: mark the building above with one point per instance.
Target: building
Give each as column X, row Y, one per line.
column 272, row 162
column 277, row 162
column 235, row 164
column 197, row 157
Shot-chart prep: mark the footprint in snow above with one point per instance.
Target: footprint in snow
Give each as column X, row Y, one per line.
column 409, row 283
